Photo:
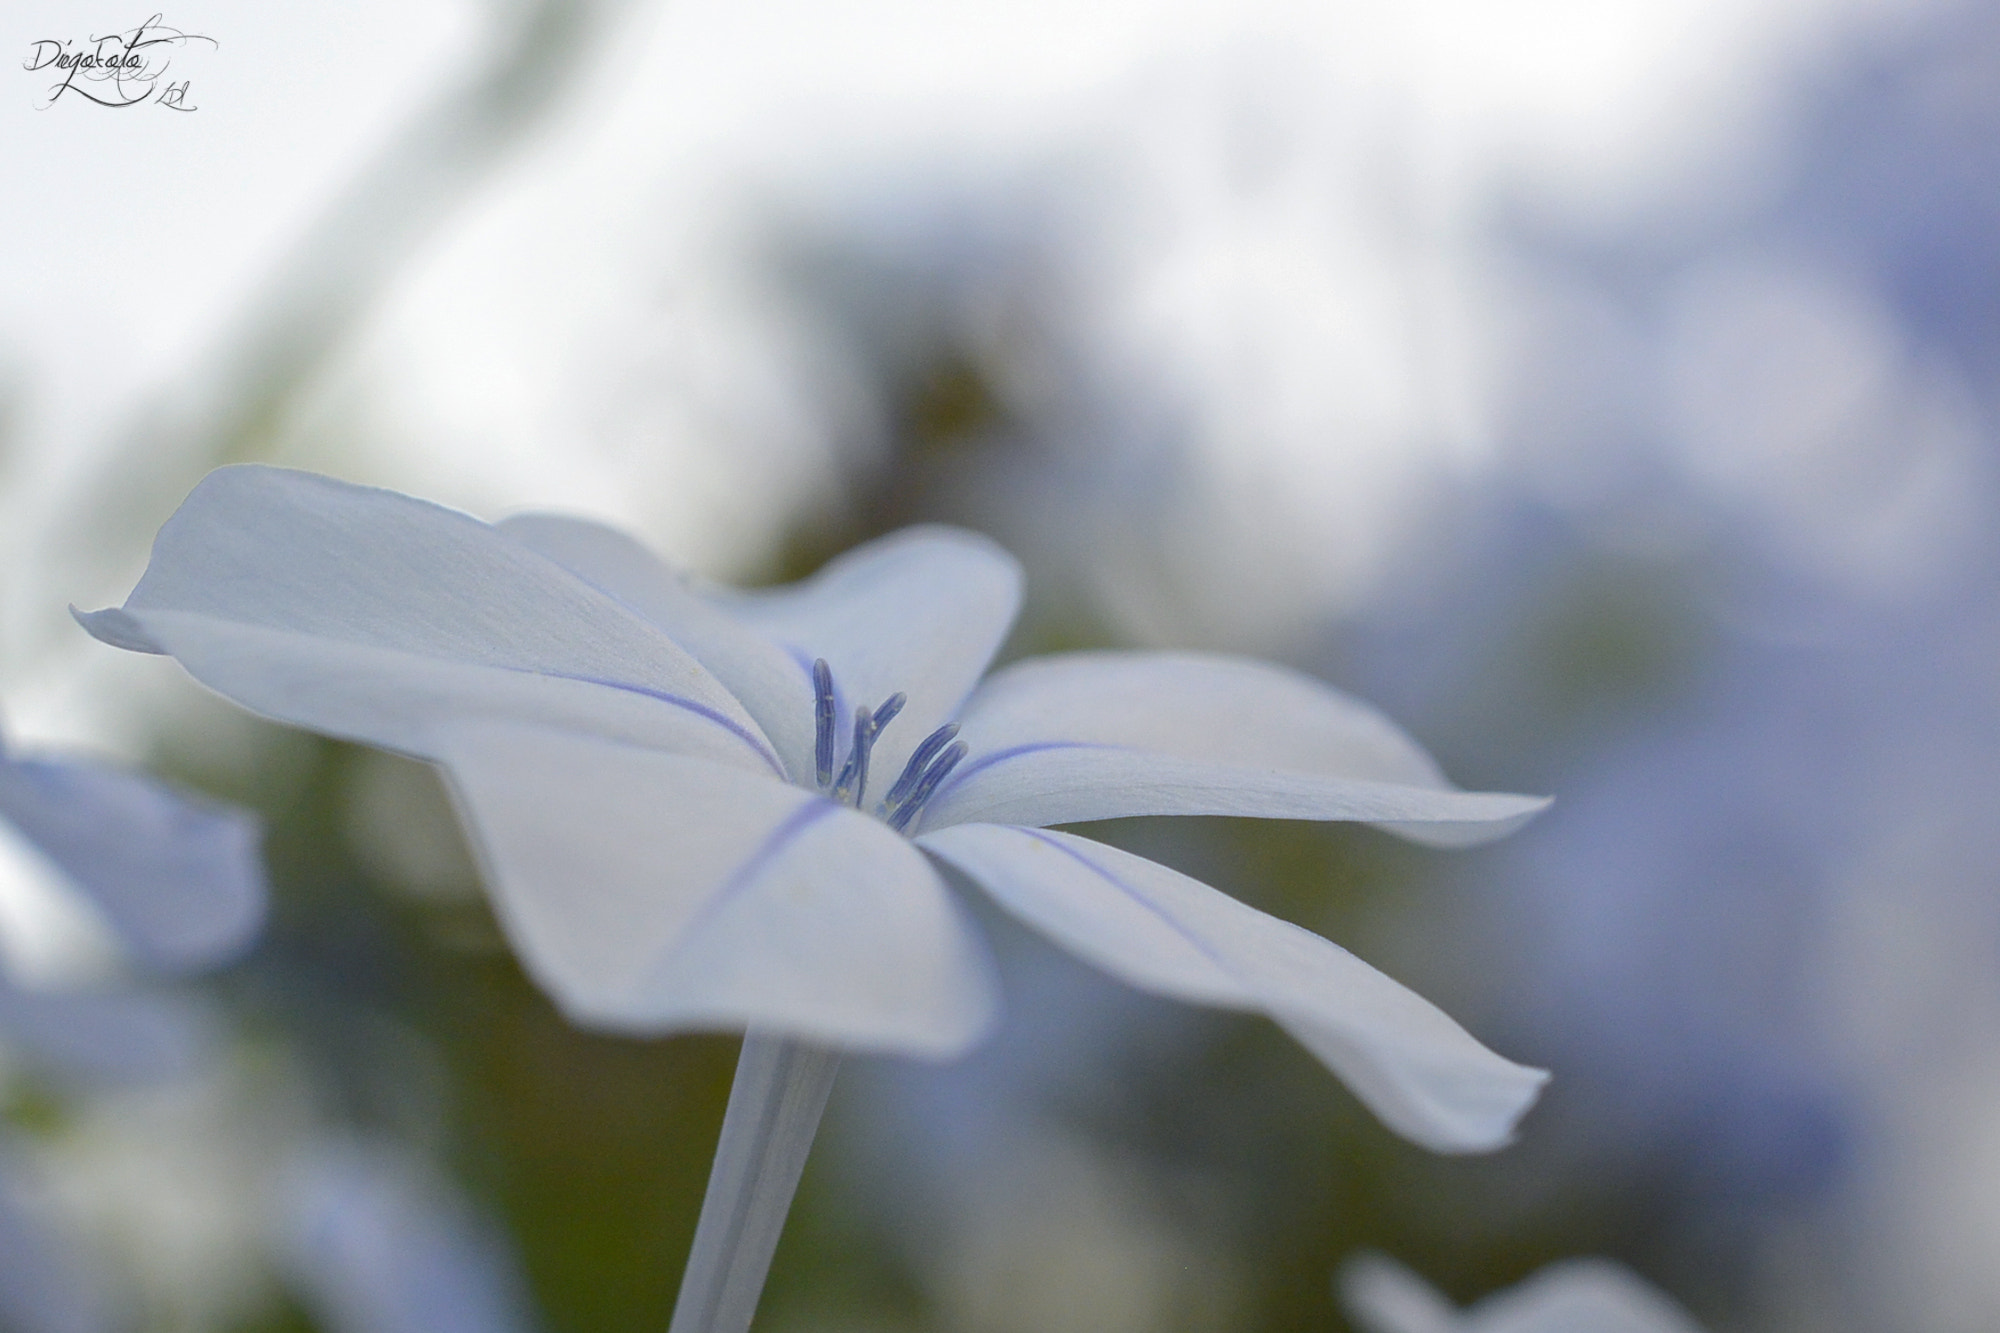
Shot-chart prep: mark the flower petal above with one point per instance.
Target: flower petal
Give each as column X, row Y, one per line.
column 46, row 1284
column 178, row 878
column 1596, row 1294
column 920, row 612
column 1574, row 1296
column 380, row 1244
column 1162, row 931
column 400, row 701
column 1057, row 740
column 774, row 687
column 649, row 892
column 111, row 1038
column 1384, row 1297
column 299, row 571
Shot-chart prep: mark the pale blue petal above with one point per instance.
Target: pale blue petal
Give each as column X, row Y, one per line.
column 1574, row 1296
column 1382, row 1296
column 772, row 685
column 309, row 568
column 1162, row 931
column 919, row 612
column 1069, row 784
column 115, row 626
column 379, row 1245
column 1057, row 740
column 400, row 700
column 44, row 1286
column 649, row 892
column 179, row 878
column 117, row 1037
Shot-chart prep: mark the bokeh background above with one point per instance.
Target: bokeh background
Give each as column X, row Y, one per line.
column 1606, row 388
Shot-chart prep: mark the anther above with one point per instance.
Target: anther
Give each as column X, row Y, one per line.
column 913, row 770
column 823, row 710
column 867, row 726
column 854, row 773
column 900, row 817
column 887, row 712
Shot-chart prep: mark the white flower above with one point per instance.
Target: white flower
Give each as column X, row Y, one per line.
column 1575, row 1296
column 702, row 809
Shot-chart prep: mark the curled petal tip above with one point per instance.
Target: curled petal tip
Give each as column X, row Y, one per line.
column 1508, row 814
column 118, row 627
column 1484, row 1129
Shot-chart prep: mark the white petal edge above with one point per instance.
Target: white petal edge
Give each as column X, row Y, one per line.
column 1573, row 1296
column 774, row 687
column 1084, row 736
column 919, row 612
column 1159, row 930
column 180, row 879
column 326, row 562
column 651, row 893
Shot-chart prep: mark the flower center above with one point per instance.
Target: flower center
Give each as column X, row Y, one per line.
column 929, row 763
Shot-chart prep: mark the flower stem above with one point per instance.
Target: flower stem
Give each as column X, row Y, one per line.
column 774, row 1108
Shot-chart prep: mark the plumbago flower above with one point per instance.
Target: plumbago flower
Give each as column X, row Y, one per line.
column 699, row 808
column 679, row 795
column 1575, row 1296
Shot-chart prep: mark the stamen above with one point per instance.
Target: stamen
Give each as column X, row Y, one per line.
column 867, row 726
column 913, row 770
column 887, row 712
column 822, row 722
column 854, row 773
column 928, row 783
column 852, row 784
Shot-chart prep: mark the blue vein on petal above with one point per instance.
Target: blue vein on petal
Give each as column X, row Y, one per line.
column 1200, row 946
column 1254, row 1001
column 811, row 812
column 986, row 761
column 698, row 709
column 763, row 752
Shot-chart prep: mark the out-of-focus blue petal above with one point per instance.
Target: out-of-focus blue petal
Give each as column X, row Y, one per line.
column 137, row 1036
column 1574, row 1296
column 378, row 1245
column 178, row 878
column 43, row 1287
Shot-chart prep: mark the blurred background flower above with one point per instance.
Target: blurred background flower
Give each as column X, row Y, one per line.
column 1606, row 390
column 1575, row 1296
